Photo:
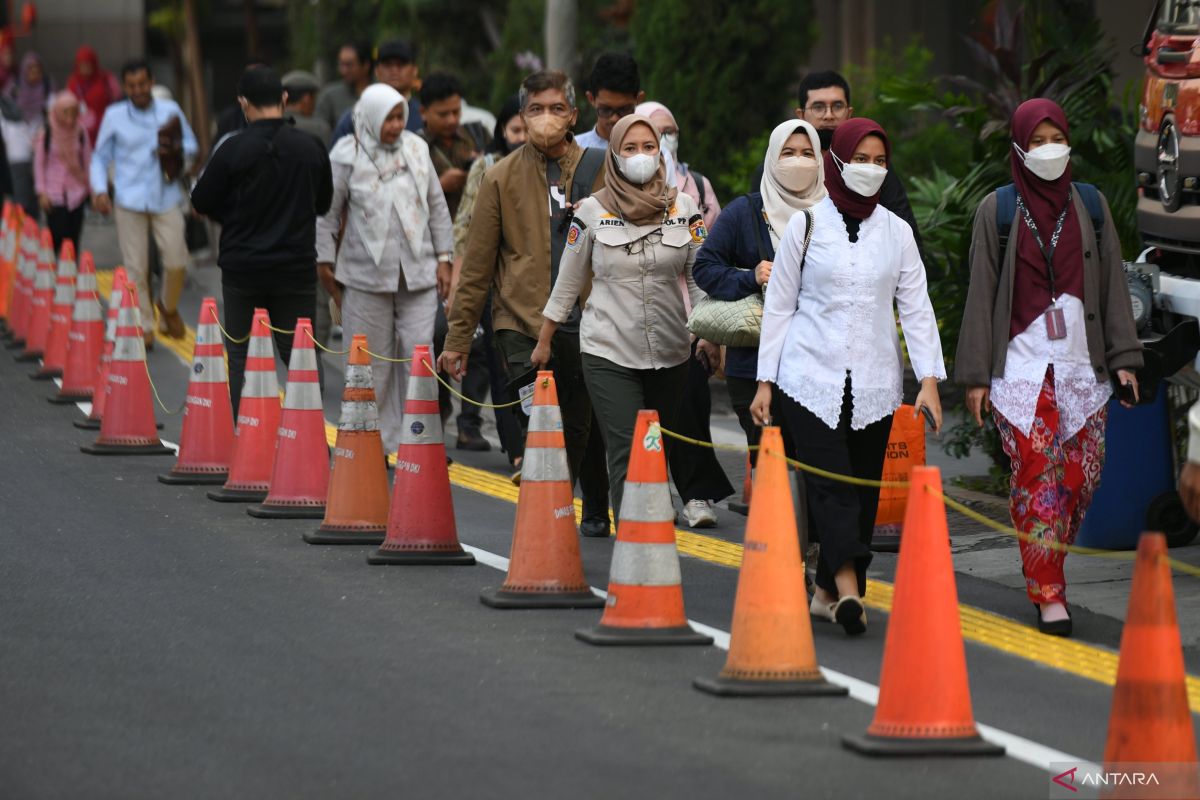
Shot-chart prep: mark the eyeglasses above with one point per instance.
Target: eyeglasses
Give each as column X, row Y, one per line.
column 608, row 112
column 638, row 246
column 558, row 110
column 821, row 109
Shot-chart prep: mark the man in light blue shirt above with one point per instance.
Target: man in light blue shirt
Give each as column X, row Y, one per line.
column 140, row 142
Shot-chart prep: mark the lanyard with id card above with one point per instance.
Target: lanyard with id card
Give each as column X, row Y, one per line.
column 1056, row 324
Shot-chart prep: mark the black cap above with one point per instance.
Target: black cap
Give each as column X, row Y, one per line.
column 261, row 87
column 397, row 50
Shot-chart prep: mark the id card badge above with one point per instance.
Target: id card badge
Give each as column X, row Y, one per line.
column 526, row 395
column 1056, row 323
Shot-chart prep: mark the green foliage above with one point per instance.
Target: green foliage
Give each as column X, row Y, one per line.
column 706, row 60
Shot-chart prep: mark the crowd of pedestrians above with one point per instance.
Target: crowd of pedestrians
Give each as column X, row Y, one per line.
column 385, row 201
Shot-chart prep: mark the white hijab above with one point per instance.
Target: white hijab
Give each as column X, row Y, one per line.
column 779, row 204
column 384, row 178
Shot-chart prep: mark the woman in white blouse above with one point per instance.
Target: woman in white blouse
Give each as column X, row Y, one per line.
column 829, row 344
column 632, row 240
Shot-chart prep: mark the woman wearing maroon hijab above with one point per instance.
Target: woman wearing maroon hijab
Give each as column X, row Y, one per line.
column 95, row 87
column 1047, row 325
column 829, row 346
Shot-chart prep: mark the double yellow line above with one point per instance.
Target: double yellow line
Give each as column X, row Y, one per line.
column 982, row 627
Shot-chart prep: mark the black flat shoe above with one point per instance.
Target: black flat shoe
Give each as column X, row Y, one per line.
column 594, row 527
column 1060, row 627
column 851, row 615
column 472, row 440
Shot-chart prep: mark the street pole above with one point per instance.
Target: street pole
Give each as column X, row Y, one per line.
column 562, row 35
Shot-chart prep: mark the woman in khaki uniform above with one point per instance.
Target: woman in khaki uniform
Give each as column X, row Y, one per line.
column 633, row 240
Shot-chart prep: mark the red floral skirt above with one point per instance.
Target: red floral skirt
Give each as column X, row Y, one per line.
column 1053, row 481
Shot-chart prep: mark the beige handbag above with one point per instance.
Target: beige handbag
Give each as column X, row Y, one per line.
column 738, row 323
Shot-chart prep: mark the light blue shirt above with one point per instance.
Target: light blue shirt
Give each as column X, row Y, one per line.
column 128, row 139
column 591, row 139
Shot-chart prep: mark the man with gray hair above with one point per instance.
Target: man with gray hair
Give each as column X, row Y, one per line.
column 513, row 250
column 302, row 88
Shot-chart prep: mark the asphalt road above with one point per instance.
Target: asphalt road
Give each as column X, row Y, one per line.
column 156, row 644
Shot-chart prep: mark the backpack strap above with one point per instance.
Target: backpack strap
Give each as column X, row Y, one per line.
column 589, row 166
column 1006, row 209
column 763, row 254
column 699, row 179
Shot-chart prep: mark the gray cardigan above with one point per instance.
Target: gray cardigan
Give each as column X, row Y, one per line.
column 983, row 340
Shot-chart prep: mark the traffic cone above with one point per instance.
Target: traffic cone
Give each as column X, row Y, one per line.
column 206, row 442
column 85, row 339
column 6, row 263
column 545, row 569
column 420, row 526
column 300, row 478
column 356, row 511
column 257, row 421
column 39, row 302
column 645, row 592
column 128, row 427
column 55, row 358
column 26, row 267
column 99, row 391
column 771, row 642
column 924, row 697
column 1151, row 722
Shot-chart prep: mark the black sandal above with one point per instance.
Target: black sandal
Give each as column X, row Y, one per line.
column 850, row 613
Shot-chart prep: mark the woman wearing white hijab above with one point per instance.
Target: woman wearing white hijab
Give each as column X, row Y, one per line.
column 393, row 259
column 735, row 261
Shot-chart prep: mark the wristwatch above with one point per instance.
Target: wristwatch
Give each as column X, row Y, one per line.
column 447, row 257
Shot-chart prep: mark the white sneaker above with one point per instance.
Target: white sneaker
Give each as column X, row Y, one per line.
column 700, row 514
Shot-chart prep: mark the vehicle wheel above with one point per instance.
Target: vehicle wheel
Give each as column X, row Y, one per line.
column 1166, row 514
column 1170, row 184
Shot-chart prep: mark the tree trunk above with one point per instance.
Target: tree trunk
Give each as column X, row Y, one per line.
column 253, row 41
column 562, row 34
column 194, row 61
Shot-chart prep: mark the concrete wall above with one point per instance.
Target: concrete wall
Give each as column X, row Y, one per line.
column 115, row 28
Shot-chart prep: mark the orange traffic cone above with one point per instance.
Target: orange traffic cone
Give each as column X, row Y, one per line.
column 924, row 697
column 771, row 642
column 26, row 269
column 257, row 421
column 40, row 301
column 6, row 262
column 545, row 569
column 356, row 511
column 85, row 339
column 99, row 391
column 645, row 592
column 1151, row 722
column 128, row 427
column 421, row 528
column 300, row 478
column 206, row 442
column 55, row 358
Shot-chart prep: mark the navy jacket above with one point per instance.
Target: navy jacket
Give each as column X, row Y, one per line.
column 724, row 267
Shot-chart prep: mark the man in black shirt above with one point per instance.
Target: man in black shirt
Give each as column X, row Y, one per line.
column 266, row 185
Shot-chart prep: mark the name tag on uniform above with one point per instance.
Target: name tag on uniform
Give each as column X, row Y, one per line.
column 1056, row 323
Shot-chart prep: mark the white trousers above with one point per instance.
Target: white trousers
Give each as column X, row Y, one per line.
column 394, row 323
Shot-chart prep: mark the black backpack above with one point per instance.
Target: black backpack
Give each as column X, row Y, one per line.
column 1006, row 209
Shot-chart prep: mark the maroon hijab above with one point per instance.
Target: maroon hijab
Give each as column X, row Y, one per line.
column 845, row 142
column 1045, row 201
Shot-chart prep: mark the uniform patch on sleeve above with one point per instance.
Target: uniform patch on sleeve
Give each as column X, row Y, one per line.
column 575, row 234
column 696, row 226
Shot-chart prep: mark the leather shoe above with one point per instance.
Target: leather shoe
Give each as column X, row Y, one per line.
column 1059, row 627
column 169, row 322
column 595, row 527
column 469, row 439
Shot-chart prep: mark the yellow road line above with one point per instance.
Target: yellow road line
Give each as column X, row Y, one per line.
column 982, row 627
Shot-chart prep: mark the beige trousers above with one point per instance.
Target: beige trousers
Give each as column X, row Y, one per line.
column 134, row 229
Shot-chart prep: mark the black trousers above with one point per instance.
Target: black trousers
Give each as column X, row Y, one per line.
column 741, row 395
column 585, row 448
column 65, row 223
column 842, row 515
column 285, row 295
column 695, row 470
column 475, row 383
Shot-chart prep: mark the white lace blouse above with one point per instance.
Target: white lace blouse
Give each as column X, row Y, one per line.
column 1077, row 393
column 836, row 316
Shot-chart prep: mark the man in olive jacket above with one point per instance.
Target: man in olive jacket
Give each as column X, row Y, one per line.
column 516, row 238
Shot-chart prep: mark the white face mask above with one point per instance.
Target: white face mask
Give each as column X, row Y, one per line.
column 1048, row 162
column 639, row 168
column 670, row 143
column 864, row 179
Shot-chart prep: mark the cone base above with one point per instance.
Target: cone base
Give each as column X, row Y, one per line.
column 27, row 357
column 69, row 399
column 15, row 344
column 735, row 687
column 238, row 495
column 174, row 478
column 88, row 424
column 885, row 543
column 321, row 536
column 609, row 635
column 739, row 508
column 272, row 511
column 499, row 598
column 46, row 376
column 421, row 558
column 99, row 449
column 870, row 745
